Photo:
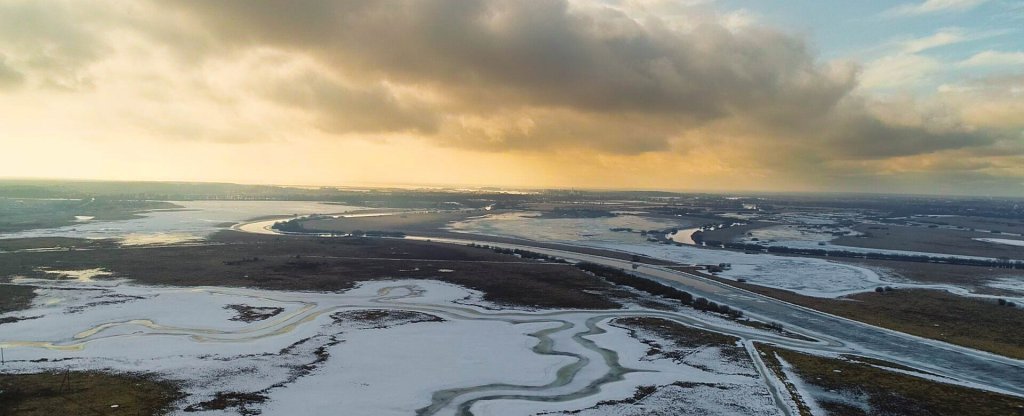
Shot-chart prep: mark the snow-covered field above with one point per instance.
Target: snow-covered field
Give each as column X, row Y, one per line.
column 1006, row 241
column 813, row 277
column 383, row 348
column 705, row 381
column 789, row 234
column 1013, row 284
column 809, row 238
column 807, row 276
column 564, row 229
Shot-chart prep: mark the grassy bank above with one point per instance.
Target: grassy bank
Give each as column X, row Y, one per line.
column 15, row 297
column 26, row 214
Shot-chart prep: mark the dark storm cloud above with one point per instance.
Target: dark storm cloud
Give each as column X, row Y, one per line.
column 494, row 55
column 51, row 42
column 869, row 138
column 343, row 109
column 592, row 65
column 549, row 129
column 542, row 53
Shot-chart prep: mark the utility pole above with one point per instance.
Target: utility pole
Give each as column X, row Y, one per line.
column 66, row 381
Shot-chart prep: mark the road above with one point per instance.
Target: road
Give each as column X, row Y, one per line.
column 966, row 365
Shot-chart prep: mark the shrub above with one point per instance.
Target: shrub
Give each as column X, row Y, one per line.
column 620, row 277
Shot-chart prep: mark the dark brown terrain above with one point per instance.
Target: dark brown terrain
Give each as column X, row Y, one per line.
column 329, row 264
column 930, row 240
column 872, row 384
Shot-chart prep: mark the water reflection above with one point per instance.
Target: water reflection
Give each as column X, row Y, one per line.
column 195, row 221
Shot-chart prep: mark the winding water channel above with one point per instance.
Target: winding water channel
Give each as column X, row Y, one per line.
column 565, row 333
column 966, row 365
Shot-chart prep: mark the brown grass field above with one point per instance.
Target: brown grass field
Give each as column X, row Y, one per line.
column 14, row 244
column 929, row 240
column 884, row 392
column 330, row 264
column 1005, row 225
column 973, row 277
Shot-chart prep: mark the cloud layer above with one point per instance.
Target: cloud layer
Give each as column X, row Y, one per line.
column 521, row 77
column 933, row 6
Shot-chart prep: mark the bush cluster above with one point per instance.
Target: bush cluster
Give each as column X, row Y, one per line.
column 621, row 277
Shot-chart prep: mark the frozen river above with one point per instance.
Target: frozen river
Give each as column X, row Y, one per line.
column 194, row 221
column 479, row 357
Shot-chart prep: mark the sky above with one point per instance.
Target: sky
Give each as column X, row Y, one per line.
column 917, row 96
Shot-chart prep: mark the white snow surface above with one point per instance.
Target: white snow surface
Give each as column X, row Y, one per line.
column 1013, row 284
column 309, row 360
column 1006, row 241
column 807, row 276
column 813, row 277
column 721, row 386
column 810, row 238
column 525, row 224
column 393, row 371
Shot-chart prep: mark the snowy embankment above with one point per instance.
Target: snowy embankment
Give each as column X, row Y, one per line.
column 1006, row 241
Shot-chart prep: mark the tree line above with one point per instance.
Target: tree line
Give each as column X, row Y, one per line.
column 1002, row 263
